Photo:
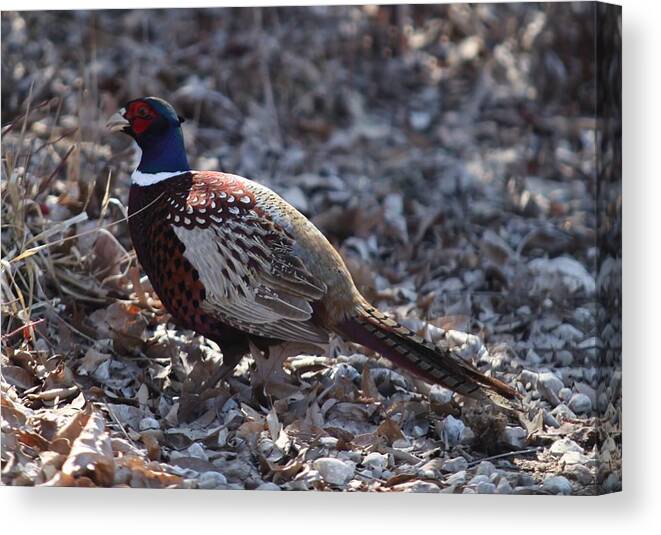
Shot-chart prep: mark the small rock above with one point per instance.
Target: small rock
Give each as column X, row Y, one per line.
column 549, row 386
column 401, row 443
column 485, row 468
column 420, row 120
column 565, row 445
column 268, row 486
column 590, row 392
column 238, row 470
column 574, row 457
column 515, row 436
column 333, row 470
column 525, row 480
column 344, row 371
column 568, row 332
column 485, row 487
column 550, row 420
column 458, row 478
column 480, row 478
column 580, row 404
column 440, row 395
column 563, row 412
column 457, row 338
column 358, row 361
column 431, row 469
column 197, row 451
column 467, row 436
column 565, row 394
column 418, row 486
column 455, row 464
column 580, row 473
column 525, row 490
column 149, row 423
column 533, row 358
column 528, row 377
column 211, row 480
column 376, row 462
column 613, row 483
column 557, row 485
column 503, row 486
column 451, row 431
column 328, row 442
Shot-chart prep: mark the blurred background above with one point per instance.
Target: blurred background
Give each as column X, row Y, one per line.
column 447, row 151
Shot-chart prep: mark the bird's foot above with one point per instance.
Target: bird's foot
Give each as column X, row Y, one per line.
column 269, row 379
column 199, row 386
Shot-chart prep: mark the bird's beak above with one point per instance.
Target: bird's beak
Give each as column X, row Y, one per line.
column 118, row 122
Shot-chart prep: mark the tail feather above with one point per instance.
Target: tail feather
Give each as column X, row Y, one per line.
column 375, row 330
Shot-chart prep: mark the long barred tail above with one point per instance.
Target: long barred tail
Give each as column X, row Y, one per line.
column 407, row 350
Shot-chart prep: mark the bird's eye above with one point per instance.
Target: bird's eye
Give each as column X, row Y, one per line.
column 143, row 112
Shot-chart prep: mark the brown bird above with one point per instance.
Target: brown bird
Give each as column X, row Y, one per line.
column 232, row 260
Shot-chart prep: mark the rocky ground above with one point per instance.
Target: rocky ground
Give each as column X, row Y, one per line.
column 448, row 152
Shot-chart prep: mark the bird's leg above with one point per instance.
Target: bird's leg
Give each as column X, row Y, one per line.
column 196, row 390
column 269, row 374
column 230, row 360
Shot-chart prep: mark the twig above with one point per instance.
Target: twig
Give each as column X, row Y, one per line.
column 59, row 167
column 504, row 455
column 25, row 326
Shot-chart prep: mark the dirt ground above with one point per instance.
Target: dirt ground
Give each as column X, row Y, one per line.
column 448, row 152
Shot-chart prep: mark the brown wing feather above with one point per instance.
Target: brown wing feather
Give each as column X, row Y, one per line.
column 246, row 262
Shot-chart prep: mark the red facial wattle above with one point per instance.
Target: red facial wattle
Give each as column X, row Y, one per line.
column 140, row 115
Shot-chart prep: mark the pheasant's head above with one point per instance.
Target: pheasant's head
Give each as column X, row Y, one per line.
column 156, row 128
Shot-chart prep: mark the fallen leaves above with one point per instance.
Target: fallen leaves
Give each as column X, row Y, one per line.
column 90, row 461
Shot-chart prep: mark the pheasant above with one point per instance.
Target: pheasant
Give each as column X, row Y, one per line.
column 233, row 261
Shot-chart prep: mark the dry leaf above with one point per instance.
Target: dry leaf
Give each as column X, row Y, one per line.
column 390, row 430
column 90, row 456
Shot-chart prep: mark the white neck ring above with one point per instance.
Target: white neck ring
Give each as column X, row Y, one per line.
column 147, row 179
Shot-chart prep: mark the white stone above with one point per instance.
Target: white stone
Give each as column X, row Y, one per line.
column 451, row 431
column 549, row 387
column 574, row 457
column 440, row 395
column 455, row 464
column 564, row 445
column 149, row 423
column 333, row 470
column 328, row 442
column 457, row 479
column 376, row 462
column 197, row 451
